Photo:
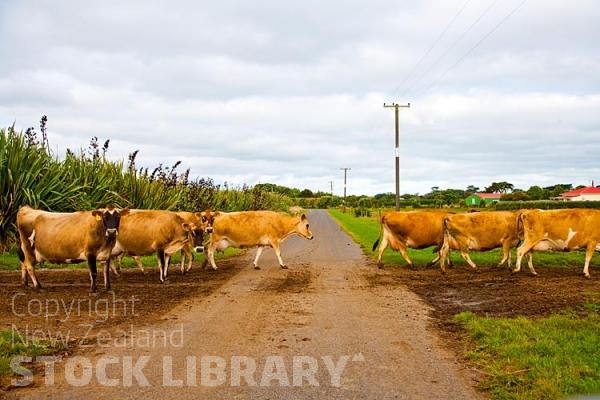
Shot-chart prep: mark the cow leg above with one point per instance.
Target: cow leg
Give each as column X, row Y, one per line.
column 116, row 268
column 403, row 251
column 210, row 257
column 505, row 254
column 24, row 280
column 167, row 263
column 106, row 271
column 521, row 252
column 190, row 256
column 278, row 253
column 443, row 253
column 161, row 265
column 93, row 274
column 382, row 247
column 138, row 262
column 589, row 252
column 30, row 270
column 465, row 256
column 259, row 251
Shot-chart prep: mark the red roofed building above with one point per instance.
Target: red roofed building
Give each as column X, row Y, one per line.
column 588, row 193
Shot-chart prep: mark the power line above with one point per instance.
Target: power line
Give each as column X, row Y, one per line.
column 465, row 55
column 461, row 37
column 414, row 68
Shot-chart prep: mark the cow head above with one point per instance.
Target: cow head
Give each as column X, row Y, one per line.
column 207, row 218
column 302, row 227
column 195, row 236
column 111, row 218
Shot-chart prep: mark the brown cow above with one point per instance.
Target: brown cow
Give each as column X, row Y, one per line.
column 145, row 232
column 254, row 229
column 414, row 229
column 563, row 230
column 483, row 231
column 67, row 238
column 202, row 223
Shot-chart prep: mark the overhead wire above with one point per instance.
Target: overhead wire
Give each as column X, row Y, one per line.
column 468, row 52
column 460, row 38
column 440, row 36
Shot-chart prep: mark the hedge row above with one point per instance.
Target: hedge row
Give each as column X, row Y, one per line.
column 545, row 205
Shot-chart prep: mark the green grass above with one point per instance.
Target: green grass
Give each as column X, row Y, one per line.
column 545, row 358
column 12, row 346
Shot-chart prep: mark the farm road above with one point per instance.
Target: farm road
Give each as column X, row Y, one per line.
column 323, row 305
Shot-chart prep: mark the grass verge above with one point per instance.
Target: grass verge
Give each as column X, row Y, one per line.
column 546, row 358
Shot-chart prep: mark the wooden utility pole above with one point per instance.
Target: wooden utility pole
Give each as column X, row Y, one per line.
column 396, row 107
column 331, row 183
column 345, row 173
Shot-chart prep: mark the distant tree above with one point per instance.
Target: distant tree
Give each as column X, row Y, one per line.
column 472, row 189
column 516, row 196
column 500, row 187
column 306, row 193
column 538, row 193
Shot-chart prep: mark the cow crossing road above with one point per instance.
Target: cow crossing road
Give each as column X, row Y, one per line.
column 277, row 334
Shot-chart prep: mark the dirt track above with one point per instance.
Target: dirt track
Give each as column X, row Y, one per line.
column 331, row 302
column 330, row 305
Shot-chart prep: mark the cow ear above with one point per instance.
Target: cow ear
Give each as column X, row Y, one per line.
column 186, row 226
column 124, row 211
column 302, row 217
column 98, row 215
column 216, row 214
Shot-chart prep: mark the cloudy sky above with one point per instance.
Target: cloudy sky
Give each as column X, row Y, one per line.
column 290, row 92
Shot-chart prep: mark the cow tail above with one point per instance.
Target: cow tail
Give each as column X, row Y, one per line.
column 20, row 252
column 520, row 228
column 380, row 232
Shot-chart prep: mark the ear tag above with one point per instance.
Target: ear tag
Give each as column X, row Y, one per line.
column 98, row 218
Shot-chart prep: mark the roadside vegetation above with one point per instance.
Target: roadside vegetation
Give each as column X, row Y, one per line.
column 549, row 357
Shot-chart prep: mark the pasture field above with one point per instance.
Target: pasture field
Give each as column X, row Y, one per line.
column 523, row 337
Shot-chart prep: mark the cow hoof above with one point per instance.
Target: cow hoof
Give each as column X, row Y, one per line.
column 214, row 268
column 93, row 294
column 284, row 267
column 256, row 267
column 587, row 276
column 514, row 271
column 380, row 265
column 110, row 291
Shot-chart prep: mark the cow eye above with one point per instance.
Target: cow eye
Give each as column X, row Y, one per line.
column 203, row 219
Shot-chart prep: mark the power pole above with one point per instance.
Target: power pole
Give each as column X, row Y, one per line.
column 331, row 183
column 345, row 172
column 396, row 107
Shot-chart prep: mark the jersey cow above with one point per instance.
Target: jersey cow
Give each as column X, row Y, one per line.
column 414, row 229
column 481, row 231
column 67, row 238
column 562, row 230
column 254, row 229
column 144, row 232
column 199, row 223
